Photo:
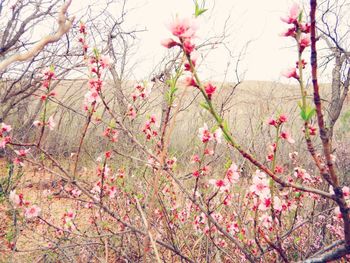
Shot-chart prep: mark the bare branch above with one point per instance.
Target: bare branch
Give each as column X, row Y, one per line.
column 64, row 25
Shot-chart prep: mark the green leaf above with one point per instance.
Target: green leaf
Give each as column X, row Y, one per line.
column 300, row 17
column 303, row 115
column 96, row 52
column 204, row 105
column 311, row 113
column 228, row 163
column 112, row 124
column 168, row 96
column 199, row 10
column 307, row 113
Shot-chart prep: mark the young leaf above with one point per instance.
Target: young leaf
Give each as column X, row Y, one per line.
column 199, row 10
column 204, row 105
column 303, row 115
column 311, row 113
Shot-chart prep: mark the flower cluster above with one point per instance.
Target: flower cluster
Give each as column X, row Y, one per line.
column 21, row 154
column 231, row 177
column 111, row 134
column 68, row 220
column 205, row 135
column 4, row 135
column 301, row 33
column 82, row 38
column 97, row 63
column 261, row 190
column 147, row 128
column 184, row 29
column 49, row 123
column 48, row 75
column 18, row 201
column 142, row 91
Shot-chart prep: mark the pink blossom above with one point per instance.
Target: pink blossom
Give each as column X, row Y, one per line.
column 91, row 96
column 67, row 218
column 183, row 28
column 82, row 28
column 32, row 211
column 134, row 96
column 22, row 152
column 14, row 198
column 272, row 122
column 49, row 73
column 76, row 192
column 260, row 185
column 204, row 134
column 209, row 90
column 196, row 173
column 208, row 151
column 147, row 91
column 232, row 228
column 302, row 62
column 188, row 47
column 37, row 123
column 312, row 130
column 95, row 84
column 278, row 169
column 270, row 157
column 131, row 112
column 105, row 61
column 218, row 135
column 304, row 41
column 221, row 184
column 346, row 191
column 112, row 192
column 194, row 57
column 290, row 32
column 96, row 189
column 196, row 158
column 285, row 135
column 305, row 28
column 302, row 174
column 277, row 204
column 282, row 118
column 293, row 14
column 5, row 141
column 18, row 161
column 169, row 43
column 5, row 127
column 171, row 162
column 337, row 212
column 265, row 203
column 290, row 73
column 232, row 174
column 153, row 119
column 189, row 81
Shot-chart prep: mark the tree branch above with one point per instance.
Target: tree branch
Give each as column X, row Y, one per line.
column 64, row 25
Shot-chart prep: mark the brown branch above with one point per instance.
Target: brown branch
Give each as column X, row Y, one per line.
column 338, row 253
column 323, row 131
column 276, row 247
column 64, row 25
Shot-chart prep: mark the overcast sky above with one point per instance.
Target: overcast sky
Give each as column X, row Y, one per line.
column 254, row 20
column 257, row 21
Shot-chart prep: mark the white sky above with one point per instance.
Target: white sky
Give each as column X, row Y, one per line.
column 257, row 20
